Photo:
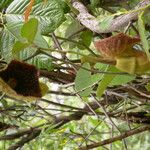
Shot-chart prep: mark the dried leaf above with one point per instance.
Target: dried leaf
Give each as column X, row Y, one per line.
column 28, row 10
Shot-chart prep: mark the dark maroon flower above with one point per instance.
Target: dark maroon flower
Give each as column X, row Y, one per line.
column 22, row 78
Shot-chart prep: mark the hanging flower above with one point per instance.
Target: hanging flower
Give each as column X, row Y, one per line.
column 20, row 80
column 120, row 48
column 114, row 46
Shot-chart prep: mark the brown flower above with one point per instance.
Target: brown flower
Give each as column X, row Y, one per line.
column 120, row 49
column 116, row 46
column 20, row 80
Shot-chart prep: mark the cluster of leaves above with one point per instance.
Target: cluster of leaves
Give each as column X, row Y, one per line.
column 89, row 99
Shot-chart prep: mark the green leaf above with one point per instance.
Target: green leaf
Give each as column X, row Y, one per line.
column 12, row 33
column 40, row 61
column 95, row 78
column 19, row 46
column 50, row 15
column 9, row 35
column 147, row 86
column 73, row 27
column 105, row 22
column 4, row 4
column 65, row 7
column 101, row 66
column 44, row 88
column 83, row 80
column 121, row 79
column 106, row 79
column 29, row 29
column 112, row 79
column 94, row 3
column 85, row 38
column 4, row 103
column 40, row 41
column 142, row 32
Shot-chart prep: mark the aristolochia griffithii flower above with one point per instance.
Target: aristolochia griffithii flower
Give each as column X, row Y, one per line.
column 20, row 80
column 120, row 48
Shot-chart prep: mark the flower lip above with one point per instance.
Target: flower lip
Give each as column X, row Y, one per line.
column 114, row 46
column 22, row 78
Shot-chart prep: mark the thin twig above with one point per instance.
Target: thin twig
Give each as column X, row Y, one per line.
column 116, row 138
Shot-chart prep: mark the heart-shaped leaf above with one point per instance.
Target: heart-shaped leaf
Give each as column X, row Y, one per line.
column 19, row 46
column 29, row 29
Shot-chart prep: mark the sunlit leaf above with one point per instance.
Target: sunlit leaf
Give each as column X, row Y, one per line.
column 83, row 80
column 106, row 79
column 85, row 39
column 121, row 79
column 44, row 88
column 142, row 32
column 30, row 29
column 19, row 46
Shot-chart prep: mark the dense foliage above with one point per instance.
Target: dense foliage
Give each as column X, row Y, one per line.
column 74, row 74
